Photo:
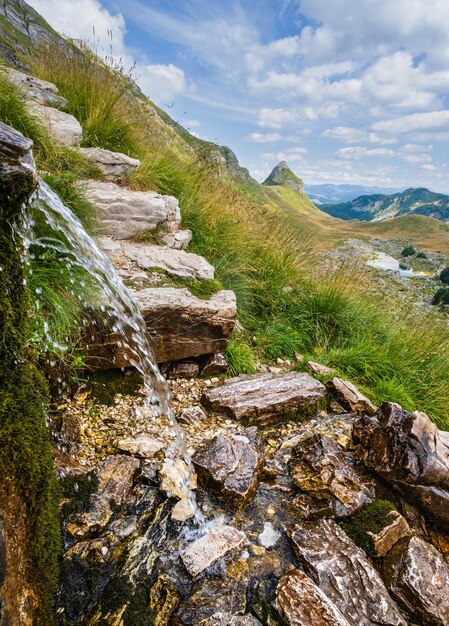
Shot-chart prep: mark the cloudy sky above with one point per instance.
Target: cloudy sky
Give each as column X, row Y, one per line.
column 347, row 91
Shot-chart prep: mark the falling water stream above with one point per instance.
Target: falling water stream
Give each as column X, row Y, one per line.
column 77, row 248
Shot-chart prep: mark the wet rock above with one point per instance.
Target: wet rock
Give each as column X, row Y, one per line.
column 226, row 619
column 183, row 510
column 143, row 446
column 204, row 552
column 269, row 536
column 301, row 603
column 214, row 364
column 192, row 415
column 319, row 370
column 113, row 165
column 115, row 481
column 265, row 398
column 344, row 574
column 174, row 263
column 179, row 240
column 408, row 451
column 418, row 578
column 230, row 466
column 18, row 176
column 320, row 468
column 350, row 397
column 125, row 213
column 164, row 599
column 13, row 144
column 186, row 369
column 175, row 478
column 63, row 127
column 395, row 529
column 36, row 89
column 2, row 554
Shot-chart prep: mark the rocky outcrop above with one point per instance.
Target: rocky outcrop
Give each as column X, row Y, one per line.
column 344, row 574
column 301, row 603
column 204, row 552
column 230, row 466
column 264, row 398
column 36, row 89
column 350, row 397
column 282, row 175
column 320, row 468
column 409, row 452
column 130, row 259
column 63, row 127
column 113, row 165
column 418, row 579
column 125, row 213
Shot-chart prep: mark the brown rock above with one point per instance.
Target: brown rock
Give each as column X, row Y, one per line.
column 395, row 529
column 215, row 364
column 184, row 369
column 226, row 619
column 301, row 603
column 265, row 398
column 344, row 574
column 408, row 451
column 230, row 466
column 204, row 552
column 319, row 370
column 142, row 446
column 418, row 578
column 321, row 469
column 350, row 397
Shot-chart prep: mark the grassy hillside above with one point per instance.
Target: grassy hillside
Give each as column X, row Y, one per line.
column 263, row 241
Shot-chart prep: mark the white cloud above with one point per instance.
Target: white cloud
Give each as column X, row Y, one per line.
column 358, row 152
column 291, row 155
column 355, row 135
column 191, row 124
column 263, row 137
column 275, row 118
column 161, row 82
column 415, row 121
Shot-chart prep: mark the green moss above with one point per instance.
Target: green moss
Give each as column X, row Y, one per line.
column 153, row 235
column 26, row 456
column 203, row 289
column 371, row 519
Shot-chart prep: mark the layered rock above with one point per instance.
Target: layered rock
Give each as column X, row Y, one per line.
column 344, row 574
column 264, row 398
column 230, row 466
column 350, row 397
column 204, row 552
column 125, row 213
column 63, row 127
column 418, row 578
column 113, row 165
column 408, row 451
column 320, row 468
column 36, row 89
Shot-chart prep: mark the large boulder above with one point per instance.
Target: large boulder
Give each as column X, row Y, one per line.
column 301, row 603
column 36, row 89
column 63, row 127
column 264, row 398
column 409, row 452
column 125, row 213
column 322, row 469
column 344, row 574
column 113, row 165
column 418, row 578
column 230, row 466
column 129, row 258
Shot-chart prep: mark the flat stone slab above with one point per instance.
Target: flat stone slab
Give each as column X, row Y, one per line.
column 263, row 398
column 41, row 91
column 218, row 543
column 128, row 257
column 64, row 128
column 343, row 572
column 114, row 165
column 125, row 213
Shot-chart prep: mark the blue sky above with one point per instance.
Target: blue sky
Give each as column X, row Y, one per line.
column 347, row 91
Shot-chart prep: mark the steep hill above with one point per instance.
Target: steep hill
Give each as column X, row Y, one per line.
column 283, row 175
column 379, row 207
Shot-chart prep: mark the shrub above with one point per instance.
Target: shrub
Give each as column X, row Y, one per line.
column 421, row 255
column 441, row 296
column 240, row 358
column 444, row 276
column 408, row 251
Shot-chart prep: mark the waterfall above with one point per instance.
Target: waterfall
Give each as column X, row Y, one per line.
column 78, row 248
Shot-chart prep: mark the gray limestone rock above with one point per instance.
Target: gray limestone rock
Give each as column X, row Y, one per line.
column 344, row 574
column 36, row 89
column 265, row 398
column 113, row 165
column 64, row 128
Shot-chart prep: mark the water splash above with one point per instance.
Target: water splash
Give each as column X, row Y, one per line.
column 77, row 248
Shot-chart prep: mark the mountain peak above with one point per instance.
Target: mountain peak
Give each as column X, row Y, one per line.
column 283, row 175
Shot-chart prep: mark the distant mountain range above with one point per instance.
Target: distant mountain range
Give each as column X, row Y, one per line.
column 378, row 207
column 332, row 194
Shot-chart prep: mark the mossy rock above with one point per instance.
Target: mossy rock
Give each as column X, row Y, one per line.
column 370, row 519
column 441, row 296
column 408, row 251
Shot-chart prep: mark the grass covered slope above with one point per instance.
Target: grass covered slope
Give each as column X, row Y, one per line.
column 263, row 242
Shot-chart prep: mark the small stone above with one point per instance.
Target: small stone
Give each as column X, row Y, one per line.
column 186, row 369
column 192, row 415
column 176, row 478
column 350, row 397
column 145, row 447
column 183, row 510
column 113, row 165
column 215, row 364
column 226, row 619
column 204, row 552
column 63, row 127
column 318, row 369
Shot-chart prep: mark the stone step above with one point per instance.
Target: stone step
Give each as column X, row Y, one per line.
column 64, row 128
column 36, row 89
column 181, row 326
column 128, row 257
column 113, row 165
column 265, row 398
column 125, row 213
